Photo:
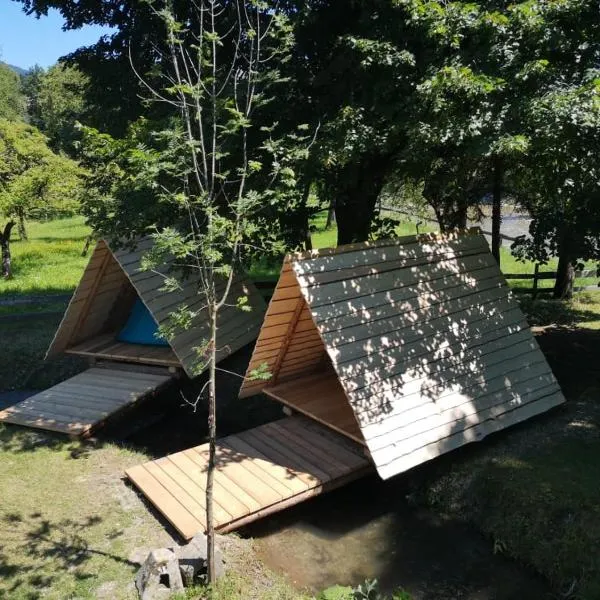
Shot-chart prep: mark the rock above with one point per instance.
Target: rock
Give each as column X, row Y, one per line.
column 193, row 558
column 159, row 576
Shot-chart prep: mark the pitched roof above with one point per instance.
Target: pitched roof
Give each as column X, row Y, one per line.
column 109, row 274
column 429, row 346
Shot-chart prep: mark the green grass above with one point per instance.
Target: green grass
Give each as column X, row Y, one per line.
column 68, row 524
column 583, row 311
column 533, row 489
column 50, row 262
column 71, row 528
column 24, row 343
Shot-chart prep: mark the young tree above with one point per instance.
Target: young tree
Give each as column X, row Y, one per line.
column 34, row 182
column 214, row 171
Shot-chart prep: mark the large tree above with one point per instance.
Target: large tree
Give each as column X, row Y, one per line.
column 34, row 181
column 560, row 184
column 559, row 42
column 61, row 103
column 355, row 66
column 12, row 101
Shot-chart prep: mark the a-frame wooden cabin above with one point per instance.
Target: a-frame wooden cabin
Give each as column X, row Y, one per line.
column 394, row 352
column 123, row 372
column 412, row 347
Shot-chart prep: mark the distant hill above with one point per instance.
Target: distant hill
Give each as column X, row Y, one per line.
column 17, row 70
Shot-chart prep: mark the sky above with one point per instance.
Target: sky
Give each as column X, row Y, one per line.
column 26, row 41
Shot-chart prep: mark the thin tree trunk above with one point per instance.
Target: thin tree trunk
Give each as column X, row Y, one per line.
column 330, row 214
column 212, row 437
column 565, row 275
column 305, row 217
column 497, row 209
column 21, row 228
column 86, row 246
column 5, row 246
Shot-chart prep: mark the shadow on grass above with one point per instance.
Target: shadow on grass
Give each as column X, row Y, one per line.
column 70, row 238
column 46, row 551
column 546, row 311
column 15, row 439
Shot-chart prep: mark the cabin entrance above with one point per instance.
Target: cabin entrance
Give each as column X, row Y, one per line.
column 319, row 395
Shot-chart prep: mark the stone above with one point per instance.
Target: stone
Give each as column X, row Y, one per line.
column 193, row 559
column 159, row 576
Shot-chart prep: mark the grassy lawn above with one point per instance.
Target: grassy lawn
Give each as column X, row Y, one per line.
column 24, row 343
column 50, row 262
column 70, row 527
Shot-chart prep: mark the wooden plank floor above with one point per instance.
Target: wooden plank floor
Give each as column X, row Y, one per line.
column 80, row 404
column 321, row 397
column 259, row 472
column 108, row 348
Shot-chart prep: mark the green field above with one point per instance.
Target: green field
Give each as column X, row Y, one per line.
column 51, row 261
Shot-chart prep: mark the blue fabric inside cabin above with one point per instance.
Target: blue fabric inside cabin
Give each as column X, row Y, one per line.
column 141, row 327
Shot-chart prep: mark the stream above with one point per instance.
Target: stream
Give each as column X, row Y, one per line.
column 368, row 530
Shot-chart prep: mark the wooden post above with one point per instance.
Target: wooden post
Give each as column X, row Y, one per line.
column 536, row 273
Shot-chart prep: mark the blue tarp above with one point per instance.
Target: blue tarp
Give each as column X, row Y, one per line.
column 141, row 327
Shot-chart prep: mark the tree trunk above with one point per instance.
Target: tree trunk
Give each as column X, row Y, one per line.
column 497, row 208
column 450, row 216
column 212, row 437
column 358, row 190
column 5, row 246
column 330, row 215
column 306, row 217
column 565, row 275
column 21, row 228
column 86, row 246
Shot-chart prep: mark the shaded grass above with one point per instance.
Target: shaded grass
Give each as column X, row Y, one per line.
column 71, row 528
column 582, row 311
column 50, row 262
column 543, row 509
column 68, row 525
column 24, row 343
column 533, row 489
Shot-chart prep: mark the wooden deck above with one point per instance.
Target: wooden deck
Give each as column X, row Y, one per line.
column 108, row 348
column 321, row 397
column 82, row 403
column 259, row 472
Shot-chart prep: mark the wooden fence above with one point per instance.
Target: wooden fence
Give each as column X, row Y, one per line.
column 538, row 275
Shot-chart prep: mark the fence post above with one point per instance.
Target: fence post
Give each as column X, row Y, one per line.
column 536, row 272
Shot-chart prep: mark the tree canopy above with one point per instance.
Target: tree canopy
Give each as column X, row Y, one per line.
column 451, row 98
column 34, row 181
column 12, row 100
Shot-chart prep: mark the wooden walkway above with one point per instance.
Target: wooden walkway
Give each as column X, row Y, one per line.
column 82, row 403
column 259, row 472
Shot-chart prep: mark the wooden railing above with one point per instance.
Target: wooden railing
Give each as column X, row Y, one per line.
column 538, row 275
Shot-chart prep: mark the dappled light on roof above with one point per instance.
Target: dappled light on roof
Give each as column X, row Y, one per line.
column 429, row 347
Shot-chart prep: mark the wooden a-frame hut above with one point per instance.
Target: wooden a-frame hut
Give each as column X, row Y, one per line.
column 123, row 371
column 411, row 347
column 394, row 352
